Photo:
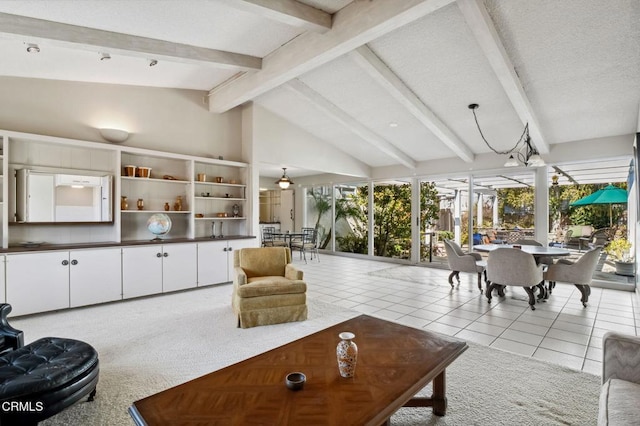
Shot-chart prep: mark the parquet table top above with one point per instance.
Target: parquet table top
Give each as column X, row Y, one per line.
column 394, row 363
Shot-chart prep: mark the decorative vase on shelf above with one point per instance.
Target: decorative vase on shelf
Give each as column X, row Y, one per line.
column 178, row 204
column 167, row 207
column 347, row 353
column 140, row 204
column 124, row 205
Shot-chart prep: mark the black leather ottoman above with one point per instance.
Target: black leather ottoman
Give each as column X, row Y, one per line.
column 42, row 378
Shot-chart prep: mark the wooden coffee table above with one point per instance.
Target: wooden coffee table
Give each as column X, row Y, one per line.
column 394, row 363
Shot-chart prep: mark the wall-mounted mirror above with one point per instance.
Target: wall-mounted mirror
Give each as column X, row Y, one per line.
column 43, row 197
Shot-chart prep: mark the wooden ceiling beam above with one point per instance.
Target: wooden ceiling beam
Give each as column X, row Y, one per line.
column 482, row 27
column 289, row 12
column 65, row 35
column 382, row 74
column 351, row 123
column 356, row 24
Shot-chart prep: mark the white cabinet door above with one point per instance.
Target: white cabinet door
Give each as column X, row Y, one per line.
column 95, row 276
column 233, row 245
column 141, row 271
column 212, row 263
column 37, row 282
column 179, row 267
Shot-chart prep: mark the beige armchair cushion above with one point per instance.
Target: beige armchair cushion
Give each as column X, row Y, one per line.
column 267, row 288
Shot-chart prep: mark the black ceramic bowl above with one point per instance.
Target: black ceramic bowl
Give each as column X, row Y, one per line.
column 295, row 381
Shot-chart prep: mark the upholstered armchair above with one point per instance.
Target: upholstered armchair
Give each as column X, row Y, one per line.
column 460, row 261
column 511, row 266
column 267, row 288
column 579, row 273
column 620, row 392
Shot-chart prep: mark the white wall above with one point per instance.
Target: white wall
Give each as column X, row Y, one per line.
column 278, row 141
column 171, row 120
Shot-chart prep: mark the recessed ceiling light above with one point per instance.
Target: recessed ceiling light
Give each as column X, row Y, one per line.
column 33, row 48
column 105, row 56
column 153, row 62
column 393, row 124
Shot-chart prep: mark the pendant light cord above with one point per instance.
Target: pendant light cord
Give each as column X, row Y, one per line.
column 473, row 108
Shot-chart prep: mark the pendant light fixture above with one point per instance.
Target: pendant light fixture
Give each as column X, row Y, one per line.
column 284, row 181
column 524, row 151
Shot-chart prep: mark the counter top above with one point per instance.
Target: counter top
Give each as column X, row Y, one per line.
column 48, row 247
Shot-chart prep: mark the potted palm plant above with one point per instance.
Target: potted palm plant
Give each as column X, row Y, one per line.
column 619, row 250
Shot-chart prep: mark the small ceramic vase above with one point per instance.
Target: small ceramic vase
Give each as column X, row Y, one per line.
column 140, row 204
column 347, row 353
column 124, row 205
column 167, row 207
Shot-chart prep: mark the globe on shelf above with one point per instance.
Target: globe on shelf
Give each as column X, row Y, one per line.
column 159, row 224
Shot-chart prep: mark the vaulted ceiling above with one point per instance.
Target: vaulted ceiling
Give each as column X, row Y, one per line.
column 386, row 81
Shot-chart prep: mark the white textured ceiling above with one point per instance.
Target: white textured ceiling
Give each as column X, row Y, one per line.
column 577, row 62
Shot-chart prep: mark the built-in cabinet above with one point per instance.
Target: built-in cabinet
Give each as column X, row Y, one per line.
column 47, row 281
column 215, row 260
column 203, row 197
column 158, row 268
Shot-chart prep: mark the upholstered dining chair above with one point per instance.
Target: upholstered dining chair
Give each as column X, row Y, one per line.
column 267, row 288
column 460, row 261
column 545, row 260
column 513, row 267
column 578, row 273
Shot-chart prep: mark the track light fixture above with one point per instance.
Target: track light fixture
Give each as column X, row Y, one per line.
column 523, row 150
column 105, row 56
column 153, row 62
column 33, row 48
column 284, row 181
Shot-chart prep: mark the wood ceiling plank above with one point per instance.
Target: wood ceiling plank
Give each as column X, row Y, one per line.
column 479, row 21
column 351, row 123
column 39, row 30
column 289, row 12
column 381, row 73
column 355, row 25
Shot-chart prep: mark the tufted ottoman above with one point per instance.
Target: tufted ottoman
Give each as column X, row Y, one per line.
column 42, row 378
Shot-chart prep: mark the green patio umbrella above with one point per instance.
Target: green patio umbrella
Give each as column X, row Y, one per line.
column 607, row 195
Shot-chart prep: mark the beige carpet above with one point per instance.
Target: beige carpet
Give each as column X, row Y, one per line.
column 148, row 345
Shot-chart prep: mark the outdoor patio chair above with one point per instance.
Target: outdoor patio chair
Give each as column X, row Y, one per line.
column 579, row 273
column 460, row 261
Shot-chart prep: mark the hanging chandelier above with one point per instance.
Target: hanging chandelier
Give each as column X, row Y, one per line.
column 523, row 152
column 284, row 181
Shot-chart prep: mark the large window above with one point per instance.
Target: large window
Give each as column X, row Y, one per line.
column 392, row 220
column 318, row 208
column 351, row 218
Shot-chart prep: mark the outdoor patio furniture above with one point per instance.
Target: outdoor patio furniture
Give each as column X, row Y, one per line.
column 579, row 273
column 460, row 261
column 513, row 267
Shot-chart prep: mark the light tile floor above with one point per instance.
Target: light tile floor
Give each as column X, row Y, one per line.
column 560, row 330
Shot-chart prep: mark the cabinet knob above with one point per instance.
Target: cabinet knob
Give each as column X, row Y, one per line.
column 224, row 249
column 74, row 262
column 230, row 249
column 158, row 254
column 166, row 254
column 65, row 262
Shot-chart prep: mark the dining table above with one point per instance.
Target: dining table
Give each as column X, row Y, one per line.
column 289, row 237
column 536, row 251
